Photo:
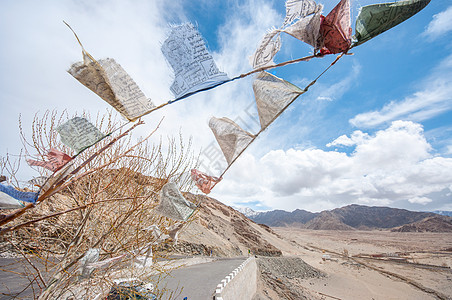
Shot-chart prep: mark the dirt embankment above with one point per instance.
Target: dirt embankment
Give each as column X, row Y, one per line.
column 224, row 231
column 280, row 277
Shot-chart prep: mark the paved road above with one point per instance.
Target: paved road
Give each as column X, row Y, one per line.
column 199, row 281
column 10, row 282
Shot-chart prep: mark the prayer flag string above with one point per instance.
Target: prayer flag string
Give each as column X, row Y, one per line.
column 185, row 48
column 278, row 114
column 330, row 34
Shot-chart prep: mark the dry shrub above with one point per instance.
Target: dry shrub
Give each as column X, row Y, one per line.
column 106, row 206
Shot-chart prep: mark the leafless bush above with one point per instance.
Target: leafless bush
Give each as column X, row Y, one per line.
column 105, row 205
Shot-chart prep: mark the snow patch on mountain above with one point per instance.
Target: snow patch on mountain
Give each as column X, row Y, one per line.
column 248, row 212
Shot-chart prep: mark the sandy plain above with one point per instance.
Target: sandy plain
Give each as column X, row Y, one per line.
column 373, row 264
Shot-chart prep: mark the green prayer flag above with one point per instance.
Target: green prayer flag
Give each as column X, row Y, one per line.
column 79, row 134
column 377, row 18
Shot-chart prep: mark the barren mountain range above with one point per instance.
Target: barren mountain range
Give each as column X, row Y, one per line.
column 224, row 231
column 353, row 217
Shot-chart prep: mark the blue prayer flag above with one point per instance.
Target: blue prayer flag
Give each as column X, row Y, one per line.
column 19, row 195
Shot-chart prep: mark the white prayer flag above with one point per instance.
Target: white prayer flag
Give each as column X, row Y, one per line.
column 173, row 205
column 8, row 202
column 231, row 138
column 302, row 22
column 105, row 262
column 269, row 46
column 272, row 95
column 79, row 134
column 307, row 30
column 298, row 9
column 111, row 82
column 38, row 181
column 60, row 175
column 193, row 66
column 91, row 256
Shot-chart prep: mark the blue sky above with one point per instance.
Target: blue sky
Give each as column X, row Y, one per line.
column 374, row 130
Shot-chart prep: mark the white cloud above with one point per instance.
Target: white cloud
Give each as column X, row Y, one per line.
column 38, row 48
column 435, row 98
column 440, row 25
column 449, row 150
column 401, row 144
column 243, row 31
column 390, row 166
column 420, row 200
column 297, row 170
column 357, row 137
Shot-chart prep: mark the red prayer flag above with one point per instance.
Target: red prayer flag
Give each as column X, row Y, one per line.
column 56, row 160
column 336, row 29
column 203, row 181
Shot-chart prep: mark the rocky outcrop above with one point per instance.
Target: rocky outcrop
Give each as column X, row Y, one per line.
column 225, row 231
column 327, row 221
column 377, row 217
column 430, row 224
column 280, row 218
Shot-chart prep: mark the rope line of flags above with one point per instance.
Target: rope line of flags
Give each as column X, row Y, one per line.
column 195, row 71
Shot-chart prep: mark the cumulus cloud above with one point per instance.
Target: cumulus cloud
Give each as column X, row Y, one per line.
column 420, row 200
column 432, row 100
column 392, row 165
column 449, row 149
column 356, row 138
column 297, row 170
column 39, row 48
column 403, row 143
column 440, row 25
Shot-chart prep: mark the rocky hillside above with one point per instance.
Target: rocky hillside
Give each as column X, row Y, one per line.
column 226, row 232
column 429, row 224
column 359, row 216
column 280, row 218
column 327, row 220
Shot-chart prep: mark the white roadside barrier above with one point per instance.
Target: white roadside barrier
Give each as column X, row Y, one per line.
column 240, row 283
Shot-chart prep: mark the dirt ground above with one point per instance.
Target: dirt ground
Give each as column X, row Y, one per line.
column 373, row 264
column 280, row 278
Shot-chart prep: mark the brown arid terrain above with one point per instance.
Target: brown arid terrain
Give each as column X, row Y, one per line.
column 430, row 224
column 297, row 263
column 374, row 264
column 319, row 264
column 225, row 232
